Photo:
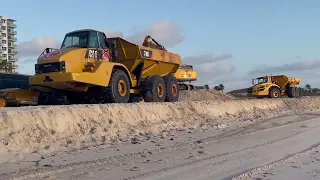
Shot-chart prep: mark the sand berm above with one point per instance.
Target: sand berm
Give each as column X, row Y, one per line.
column 44, row 129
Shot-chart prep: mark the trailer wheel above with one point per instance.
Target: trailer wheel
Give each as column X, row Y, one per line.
column 274, row 93
column 154, row 89
column 119, row 87
column 172, row 88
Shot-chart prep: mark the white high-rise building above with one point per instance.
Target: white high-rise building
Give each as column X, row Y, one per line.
column 8, row 43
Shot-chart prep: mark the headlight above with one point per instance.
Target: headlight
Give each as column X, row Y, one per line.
column 63, row 65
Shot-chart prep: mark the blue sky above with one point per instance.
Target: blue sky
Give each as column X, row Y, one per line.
column 255, row 33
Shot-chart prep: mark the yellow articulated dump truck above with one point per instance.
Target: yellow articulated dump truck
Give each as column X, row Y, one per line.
column 274, row 87
column 91, row 68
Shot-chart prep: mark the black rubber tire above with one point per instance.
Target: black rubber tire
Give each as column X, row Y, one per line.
column 171, row 82
column 272, row 92
column 58, row 98
column 149, row 89
column 43, row 99
column 291, row 92
column 112, row 94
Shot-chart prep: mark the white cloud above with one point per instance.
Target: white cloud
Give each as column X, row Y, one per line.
column 165, row 32
column 209, row 69
column 36, row 46
column 113, row 33
column 206, row 58
column 295, row 66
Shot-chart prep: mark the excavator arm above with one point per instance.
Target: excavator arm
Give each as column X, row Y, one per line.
column 150, row 42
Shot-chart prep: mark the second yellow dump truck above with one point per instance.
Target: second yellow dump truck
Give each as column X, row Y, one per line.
column 274, row 87
column 91, row 68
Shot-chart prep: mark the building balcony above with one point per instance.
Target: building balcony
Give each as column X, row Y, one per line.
column 12, row 32
column 13, row 59
column 12, row 52
column 12, row 39
column 12, row 46
column 12, row 25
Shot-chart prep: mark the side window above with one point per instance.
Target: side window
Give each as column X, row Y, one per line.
column 93, row 40
column 102, row 40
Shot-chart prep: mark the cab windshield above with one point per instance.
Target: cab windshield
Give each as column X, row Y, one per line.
column 76, row 39
column 259, row 81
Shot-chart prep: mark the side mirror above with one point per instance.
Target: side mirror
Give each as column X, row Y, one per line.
column 252, row 81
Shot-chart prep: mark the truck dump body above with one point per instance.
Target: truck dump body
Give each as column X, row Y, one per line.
column 155, row 61
column 283, row 80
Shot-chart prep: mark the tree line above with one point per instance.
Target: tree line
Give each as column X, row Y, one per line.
column 220, row 87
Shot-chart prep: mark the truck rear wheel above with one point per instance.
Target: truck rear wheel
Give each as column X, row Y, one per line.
column 119, row 87
column 275, row 93
column 172, row 89
column 154, row 89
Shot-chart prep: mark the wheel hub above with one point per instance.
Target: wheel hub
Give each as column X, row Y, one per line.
column 2, row 102
column 122, row 88
column 160, row 90
column 174, row 90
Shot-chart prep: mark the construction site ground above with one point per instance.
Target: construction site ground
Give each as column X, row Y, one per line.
column 207, row 135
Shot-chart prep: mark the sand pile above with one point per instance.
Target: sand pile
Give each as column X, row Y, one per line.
column 203, row 95
column 47, row 129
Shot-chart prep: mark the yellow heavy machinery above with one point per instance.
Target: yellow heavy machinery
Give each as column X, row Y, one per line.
column 17, row 97
column 185, row 73
column 274, row 87
column 91, row 68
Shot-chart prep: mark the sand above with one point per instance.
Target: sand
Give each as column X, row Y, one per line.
column 57, row 128
column 33, row 134
column 241, row 150
column 203, row 95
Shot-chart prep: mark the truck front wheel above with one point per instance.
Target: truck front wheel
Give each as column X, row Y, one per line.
column 119, row 87
column 274, row 93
